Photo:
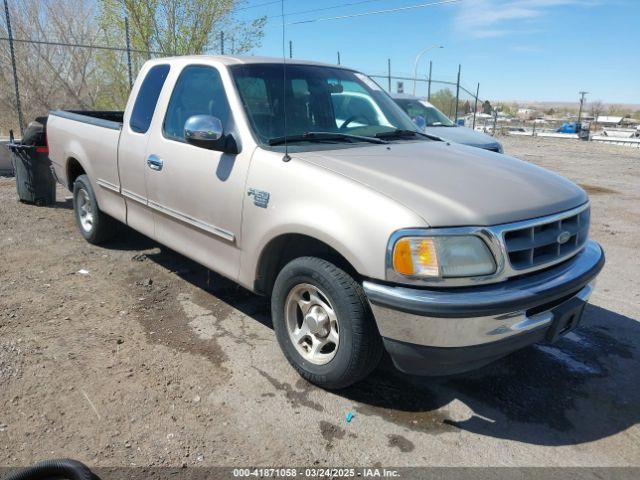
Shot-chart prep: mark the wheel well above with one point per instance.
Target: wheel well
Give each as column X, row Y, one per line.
column 74, row 170
column 281, row 250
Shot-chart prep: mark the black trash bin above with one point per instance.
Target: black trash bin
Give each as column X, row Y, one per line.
column 34, row 179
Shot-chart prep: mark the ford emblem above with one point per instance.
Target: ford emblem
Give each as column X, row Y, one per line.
column 563, row 237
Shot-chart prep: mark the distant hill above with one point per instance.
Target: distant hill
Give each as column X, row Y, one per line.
column 543, row 105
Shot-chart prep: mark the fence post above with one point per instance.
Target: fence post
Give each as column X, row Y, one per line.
column 457, row 94
column 221, row 43
column 475, row 106
column 15, row 70
column 389, row 73
column 128, row 40
column 429, row 87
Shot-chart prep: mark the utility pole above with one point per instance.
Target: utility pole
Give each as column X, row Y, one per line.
column 221, row 43
column 582, row 94
column 290, row 49
column 389, row 73
column 338, row 58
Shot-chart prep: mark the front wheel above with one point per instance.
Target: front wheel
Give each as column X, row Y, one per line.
column 323, row 323
column 94, row 225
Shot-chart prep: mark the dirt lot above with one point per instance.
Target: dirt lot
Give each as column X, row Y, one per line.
column 150, row 360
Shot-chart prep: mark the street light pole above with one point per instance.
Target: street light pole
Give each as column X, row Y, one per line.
column 415, row 64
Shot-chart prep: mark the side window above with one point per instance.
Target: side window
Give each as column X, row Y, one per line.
column 198, row 91
column 414, row 109
column 147, row 98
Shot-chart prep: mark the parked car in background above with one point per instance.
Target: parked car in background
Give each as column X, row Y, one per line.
column 434, row 122
column 306, row 183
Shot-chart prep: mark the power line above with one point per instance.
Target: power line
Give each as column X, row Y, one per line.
column 376, row 12
column 255, row 6
column 342, row 5
column 82, row 45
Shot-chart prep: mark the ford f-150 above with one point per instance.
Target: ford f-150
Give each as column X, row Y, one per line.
column 366, row 233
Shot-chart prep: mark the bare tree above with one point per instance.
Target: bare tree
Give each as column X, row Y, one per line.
column 68, row 76
column 596, row 109
column 50, row 76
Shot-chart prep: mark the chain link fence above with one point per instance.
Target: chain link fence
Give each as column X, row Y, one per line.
column 450, row 97
column 62, row 64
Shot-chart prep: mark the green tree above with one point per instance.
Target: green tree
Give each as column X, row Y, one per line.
column 445, row 101
column 167, row 28
column 487, row 108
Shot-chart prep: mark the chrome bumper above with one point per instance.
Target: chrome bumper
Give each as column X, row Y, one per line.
column 470, row 316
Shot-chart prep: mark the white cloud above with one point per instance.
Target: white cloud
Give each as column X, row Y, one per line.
column 499, row 18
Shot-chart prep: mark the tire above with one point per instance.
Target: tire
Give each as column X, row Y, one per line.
column 357, row 348
column 95, row 226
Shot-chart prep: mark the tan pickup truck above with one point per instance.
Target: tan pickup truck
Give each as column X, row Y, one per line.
column 365, row 233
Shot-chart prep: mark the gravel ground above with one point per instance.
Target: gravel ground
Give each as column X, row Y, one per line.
column 147, row 359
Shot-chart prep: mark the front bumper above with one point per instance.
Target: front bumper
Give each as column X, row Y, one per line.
column 443, row 331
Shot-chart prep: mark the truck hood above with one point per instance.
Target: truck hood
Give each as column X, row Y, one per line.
column 463, row 135
column 452, row 184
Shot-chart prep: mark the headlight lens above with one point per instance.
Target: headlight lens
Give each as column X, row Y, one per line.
column 442, row 256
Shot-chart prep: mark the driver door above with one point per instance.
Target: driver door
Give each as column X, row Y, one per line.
column 197, row 193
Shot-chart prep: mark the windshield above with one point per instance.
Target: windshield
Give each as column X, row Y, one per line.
column 424, row 115
column 318, row 99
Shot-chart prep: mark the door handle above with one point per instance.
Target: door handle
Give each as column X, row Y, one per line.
column 154, row 162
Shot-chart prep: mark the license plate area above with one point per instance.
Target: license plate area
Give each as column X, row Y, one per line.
column 566, row 317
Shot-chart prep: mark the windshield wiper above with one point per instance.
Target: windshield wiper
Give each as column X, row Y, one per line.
column 400, row 133
column 323, row 137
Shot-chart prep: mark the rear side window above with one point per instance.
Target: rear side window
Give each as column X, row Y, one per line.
column 147, row 98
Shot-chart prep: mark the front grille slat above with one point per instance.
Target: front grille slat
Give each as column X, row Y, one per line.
column 539, row 245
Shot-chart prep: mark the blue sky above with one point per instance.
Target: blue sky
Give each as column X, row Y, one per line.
column 517, row 49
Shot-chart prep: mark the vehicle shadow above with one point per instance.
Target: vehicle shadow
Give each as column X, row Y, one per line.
column 201, row 277
column 583, row 388
column 63, row 205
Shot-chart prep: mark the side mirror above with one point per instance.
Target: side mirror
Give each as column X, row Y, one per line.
column 206, row 131
column 203, row 129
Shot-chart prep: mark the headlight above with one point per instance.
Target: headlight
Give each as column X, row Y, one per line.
column 442, row 256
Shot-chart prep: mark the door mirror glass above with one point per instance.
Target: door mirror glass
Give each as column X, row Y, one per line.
column 203, row 130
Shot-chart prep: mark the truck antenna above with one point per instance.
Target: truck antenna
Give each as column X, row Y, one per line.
column 286, row 157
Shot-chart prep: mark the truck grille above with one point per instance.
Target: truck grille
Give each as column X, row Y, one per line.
column 547, row 242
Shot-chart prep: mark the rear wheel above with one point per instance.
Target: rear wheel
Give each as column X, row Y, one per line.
column 323, row 323
column 94, row 225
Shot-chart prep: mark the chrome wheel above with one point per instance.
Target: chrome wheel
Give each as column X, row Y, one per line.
column 312, row 323
column 85, row 210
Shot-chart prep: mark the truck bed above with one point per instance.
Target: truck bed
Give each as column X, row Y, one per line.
column 100, row 118
column 89, row 140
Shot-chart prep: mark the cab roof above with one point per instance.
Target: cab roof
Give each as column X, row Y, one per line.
column 244, row 60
